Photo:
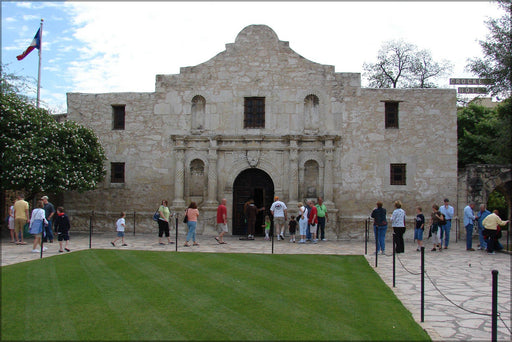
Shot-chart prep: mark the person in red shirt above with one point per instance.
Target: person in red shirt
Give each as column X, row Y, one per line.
column 222, row 221
column 313, row 220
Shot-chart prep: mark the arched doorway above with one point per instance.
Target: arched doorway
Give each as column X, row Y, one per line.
column 255, row 184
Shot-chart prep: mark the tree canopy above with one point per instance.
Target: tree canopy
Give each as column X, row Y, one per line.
column 402, row 65
column 40, row 154
column 497, row 48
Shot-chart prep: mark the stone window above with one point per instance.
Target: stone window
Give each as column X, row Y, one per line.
column 398, row 174
column 391, row 110
column 311, row 115
column 118, row 115
column 197, row 178
column 198, row 110
column 116, row 172
column 254, row 112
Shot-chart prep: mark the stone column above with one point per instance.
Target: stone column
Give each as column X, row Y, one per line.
column 212, row 174
column 328, row 172
column 179, row 177
column 293, row 176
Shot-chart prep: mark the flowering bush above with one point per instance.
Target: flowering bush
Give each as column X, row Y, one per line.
column 38, row 154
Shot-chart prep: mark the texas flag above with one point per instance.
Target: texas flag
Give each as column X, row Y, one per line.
column 36, row 44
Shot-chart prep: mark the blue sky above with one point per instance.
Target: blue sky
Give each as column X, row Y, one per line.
column 96, row 47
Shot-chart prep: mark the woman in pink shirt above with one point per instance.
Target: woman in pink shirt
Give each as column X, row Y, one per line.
column 192, row 215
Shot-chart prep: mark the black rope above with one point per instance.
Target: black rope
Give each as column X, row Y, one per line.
column 501, row 319
column 405, row 268
column 448, row 299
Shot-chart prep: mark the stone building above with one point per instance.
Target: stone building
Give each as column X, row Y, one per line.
column 259, row 120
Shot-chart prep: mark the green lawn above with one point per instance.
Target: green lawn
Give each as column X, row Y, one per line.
column 142, row 295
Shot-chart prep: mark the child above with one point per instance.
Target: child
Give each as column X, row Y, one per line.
column 420, row 226
column 120, row 225
column 435, row 217
column 292, row 228
column 62, row 226
column 267, row 227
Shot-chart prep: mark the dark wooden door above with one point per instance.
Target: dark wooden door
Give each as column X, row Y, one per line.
column 251, row 184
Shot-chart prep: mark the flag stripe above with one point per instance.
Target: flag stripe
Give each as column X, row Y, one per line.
column 35, row 44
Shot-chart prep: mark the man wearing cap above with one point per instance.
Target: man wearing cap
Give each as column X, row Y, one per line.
column 448, row 212
column 49, row 211
column 279, row 211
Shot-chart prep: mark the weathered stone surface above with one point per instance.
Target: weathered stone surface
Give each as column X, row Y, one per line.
column 324, row 135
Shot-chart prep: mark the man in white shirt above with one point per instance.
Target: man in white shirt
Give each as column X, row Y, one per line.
column 448, row 212
column 279, row 211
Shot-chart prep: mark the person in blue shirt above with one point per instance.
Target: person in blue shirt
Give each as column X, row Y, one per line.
column 469, row 218
column 448, row 212
column 482, row 214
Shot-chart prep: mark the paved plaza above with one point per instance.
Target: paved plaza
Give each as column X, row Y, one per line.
column 460, row 276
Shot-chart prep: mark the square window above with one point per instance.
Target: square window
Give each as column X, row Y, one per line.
column 254, row 112
column 118, row 114
column 391, row 110
column 397, row 174
column 117, row 173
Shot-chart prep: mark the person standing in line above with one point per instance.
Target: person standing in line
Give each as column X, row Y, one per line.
column 192, row 215
column 448, row 212
column 292, row 228
column 21, row 217
column 491, row 223
column 313, row 221
column 380, row 226
column 222, row 221
column 49, row 210
column 163, row 223
column 37, row 223
column 10, row 223
column 482, row 214
column 279, row 212
column 303, row 222
column 266, row 227
column 435, row 217
column 469, row 218
column 120, row 227
column 252, row 213
column 323, row 217
column 398, row 224
column 419, row 229
column 62, row 227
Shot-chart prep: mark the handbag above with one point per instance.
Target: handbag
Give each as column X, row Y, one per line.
column 156, row 215
column 185, row 219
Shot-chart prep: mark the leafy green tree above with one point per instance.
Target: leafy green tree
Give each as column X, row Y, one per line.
column 497, row 48
column 401, row 65
column 484, row 134
column 41, row 155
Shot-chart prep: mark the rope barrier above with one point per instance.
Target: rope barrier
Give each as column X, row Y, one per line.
column 405, row 268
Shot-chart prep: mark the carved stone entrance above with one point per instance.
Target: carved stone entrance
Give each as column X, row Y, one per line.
column 251, row 184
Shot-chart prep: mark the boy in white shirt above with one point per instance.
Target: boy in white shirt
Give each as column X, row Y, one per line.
column 120, row 225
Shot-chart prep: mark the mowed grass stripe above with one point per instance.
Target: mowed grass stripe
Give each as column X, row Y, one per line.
column 141, row 295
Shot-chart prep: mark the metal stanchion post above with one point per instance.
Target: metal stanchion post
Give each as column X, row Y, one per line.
column 494, row 336
column 422, row 284
column 90, row 229
column 273, row 232
column 394, row 262
column 366, row 237
column 376, row 246
column 176, row 242
column 134, row 216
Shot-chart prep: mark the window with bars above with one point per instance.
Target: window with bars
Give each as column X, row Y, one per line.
column 254, row 112
column 391, row 110
column 398, row 174
column 118, row 115
column 116, row 172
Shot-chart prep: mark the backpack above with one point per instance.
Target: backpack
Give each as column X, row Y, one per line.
column 442, row 220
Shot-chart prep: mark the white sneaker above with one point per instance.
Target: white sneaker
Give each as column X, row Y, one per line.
column 35, row 251
column 324, row 239
column 278, row 237
column 45, row 249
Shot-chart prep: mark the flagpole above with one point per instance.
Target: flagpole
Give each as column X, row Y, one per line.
column 39, row 67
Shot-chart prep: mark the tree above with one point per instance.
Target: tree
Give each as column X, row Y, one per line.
column 497, row 48
column 401, row 65
column 484, row 134
column 41, row 155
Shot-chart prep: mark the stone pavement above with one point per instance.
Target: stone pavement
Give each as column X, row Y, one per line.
column 462, row 277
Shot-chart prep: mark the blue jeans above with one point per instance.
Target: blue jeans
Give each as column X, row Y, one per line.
column 469, row 236
column 483, row 243
column 445, row 231
column 380, row 237
column 308, row 232
column 321, row 228
column 191, row 235
column 48, row 235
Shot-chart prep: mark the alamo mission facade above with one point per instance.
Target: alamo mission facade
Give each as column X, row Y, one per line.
column 257, row 121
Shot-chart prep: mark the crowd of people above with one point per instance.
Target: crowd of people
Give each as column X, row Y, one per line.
column 310, row 221
column 439, row 227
